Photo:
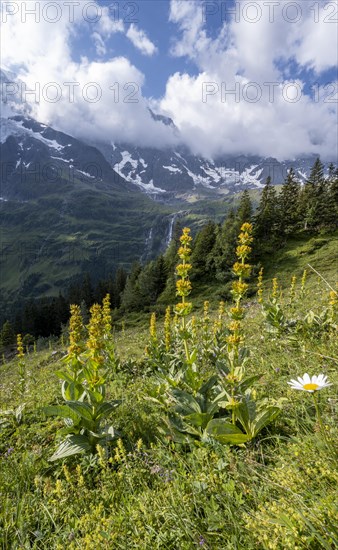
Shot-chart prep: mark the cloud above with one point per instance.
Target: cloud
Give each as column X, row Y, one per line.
column 251, row 93
column 108, row 25
column 99, row 44
column 94, row 100
column 140, row 40
column 243, row 99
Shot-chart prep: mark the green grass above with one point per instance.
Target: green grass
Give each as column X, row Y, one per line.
column 278, row 492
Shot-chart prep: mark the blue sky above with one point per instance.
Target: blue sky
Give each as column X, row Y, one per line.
column 153, row 17
column 238, row 76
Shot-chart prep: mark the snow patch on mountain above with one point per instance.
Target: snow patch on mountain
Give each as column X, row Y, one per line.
column 213, row 173
column 132, row 176
column 86, row 174
column 251, row 176
column 11, row 127
column 173, row 169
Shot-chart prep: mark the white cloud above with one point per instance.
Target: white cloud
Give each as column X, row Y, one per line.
column 108, row 25
column 140, row 40
column 247, row 56
column 99, row 44
column 41, row 52
column 243, row 56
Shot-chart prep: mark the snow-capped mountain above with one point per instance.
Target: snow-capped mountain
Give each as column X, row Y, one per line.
column 179, row 173
column 35, row 158
column 162, row 174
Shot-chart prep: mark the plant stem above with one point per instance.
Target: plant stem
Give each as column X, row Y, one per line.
column 321, row 425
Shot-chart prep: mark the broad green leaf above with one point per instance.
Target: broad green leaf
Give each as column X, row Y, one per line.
column 247, row 382
column 200, row 420
column 224, row 432
column 208, row 385
column 63, row 375
column 243, row 415
column 264, row 418
column 186, row 401
column 105, row 409
column 61, row 410
column 82, row 409
column 72, row 391
column 95, row 396
column 178, row 424
column 72, row 445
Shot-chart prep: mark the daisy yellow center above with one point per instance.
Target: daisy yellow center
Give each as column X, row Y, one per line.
column 311, row 386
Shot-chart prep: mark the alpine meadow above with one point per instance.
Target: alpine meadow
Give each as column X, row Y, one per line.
column 168, row 275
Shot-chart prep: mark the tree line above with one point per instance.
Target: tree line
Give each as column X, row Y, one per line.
column 295, row 209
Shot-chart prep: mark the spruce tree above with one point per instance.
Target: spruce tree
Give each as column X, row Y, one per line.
column 7, row 336
column 288, row 201
column 87, row 292
column 267, row 222
column 152, row 281
column 245, row 210
column 314, row 197
column 332, row 207
column 223, row 254
column 119, row 284
column 203, row 245
column 131, row 299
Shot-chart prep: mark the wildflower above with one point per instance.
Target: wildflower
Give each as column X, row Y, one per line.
column 234, row 326
column 310, row 384
column 185, row 238
column 9, row 452
column 239, row 289
column 106, row 315
column 274, row 288
column 184, row 252
column 182, row 269
column 153, row 332
column 221, row 310
column 234, row 339
column 75, row 331
column 292, row 287
column 20, row 352
column 333, row 298
column 243, row 251
column 260, row 286
column 242, row 270
column 206, row 309
column 94, row 342
column 182, row 310
column 183, row 287
column 167, row 328
column 237, row 313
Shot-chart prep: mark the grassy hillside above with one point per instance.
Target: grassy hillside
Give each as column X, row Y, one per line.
column 148, row 490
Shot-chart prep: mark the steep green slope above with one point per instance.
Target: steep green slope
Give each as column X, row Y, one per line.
column 277, row 492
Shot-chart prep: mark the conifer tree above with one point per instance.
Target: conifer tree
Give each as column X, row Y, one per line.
column 7, row 335
column 87, row 293
column 332, row 207
column 245, row 210
column 224, row 251
column 131, row 298
column 152, row 281
column 313, row 197
column 267, row 222
column 288, row 201
column 203, row 245
column 119, row 285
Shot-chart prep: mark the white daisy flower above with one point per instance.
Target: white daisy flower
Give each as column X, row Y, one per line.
column 310, row 384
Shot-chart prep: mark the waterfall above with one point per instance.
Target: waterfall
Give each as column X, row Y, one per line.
column 170, row 231
column 148, row 246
